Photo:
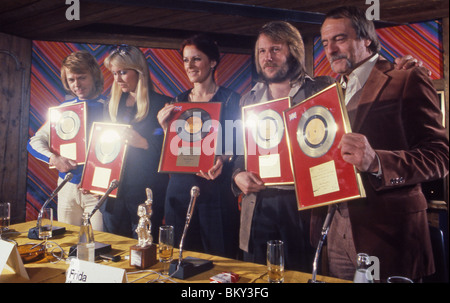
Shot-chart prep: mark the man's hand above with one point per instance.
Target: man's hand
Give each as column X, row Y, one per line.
column 356, row 150
column 407, row 62
column 62, row 164
column 249, row 182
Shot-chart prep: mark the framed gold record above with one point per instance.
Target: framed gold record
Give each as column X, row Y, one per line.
column 193, row 124
column 68, row 125
column 105, row 157
column 269, row 128
column 191, row 141
column 314, row 129
column 68, row 131
column 266, row 149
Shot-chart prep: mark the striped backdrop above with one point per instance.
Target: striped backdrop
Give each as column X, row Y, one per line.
column 421, row 40
column 167, row 73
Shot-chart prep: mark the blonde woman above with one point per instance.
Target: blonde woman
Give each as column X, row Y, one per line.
column 134, row 102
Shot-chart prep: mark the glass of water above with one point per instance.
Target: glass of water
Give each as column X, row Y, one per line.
column 5, row 216
column 165, row 247
column 45, row 224
column 275, row 261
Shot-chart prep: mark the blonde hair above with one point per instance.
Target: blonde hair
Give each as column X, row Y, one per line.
column 130, row 57
column 281, row 31
column 82, row 62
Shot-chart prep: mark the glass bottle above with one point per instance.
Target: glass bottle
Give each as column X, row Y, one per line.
column 86, row 244
column 362, row 273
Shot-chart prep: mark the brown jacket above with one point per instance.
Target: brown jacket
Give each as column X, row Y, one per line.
column 399, row 113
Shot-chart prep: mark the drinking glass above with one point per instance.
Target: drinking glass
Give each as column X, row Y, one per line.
column 165, row 247
column 5, row 216
column 399, row 279
column 45, row 225
column 275, row 261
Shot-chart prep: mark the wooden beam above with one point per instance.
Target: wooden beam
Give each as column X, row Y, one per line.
column 228, row 8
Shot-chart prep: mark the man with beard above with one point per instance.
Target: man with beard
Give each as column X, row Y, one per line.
column 272, row 213
column 397, row 142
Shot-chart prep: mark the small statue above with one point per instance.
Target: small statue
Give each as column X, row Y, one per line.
column 144, row 227
column 143, row 254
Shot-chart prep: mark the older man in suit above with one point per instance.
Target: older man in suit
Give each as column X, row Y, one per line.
column 397, row 142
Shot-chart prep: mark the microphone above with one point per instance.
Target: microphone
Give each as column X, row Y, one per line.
column 100, row 248
column 324, row 233
column 189, row 266
column 66, row 179
column 113, row 185
column 33, row 233
column 195, row 192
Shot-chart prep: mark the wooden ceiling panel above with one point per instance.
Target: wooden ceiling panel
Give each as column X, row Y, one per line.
column 162, row 20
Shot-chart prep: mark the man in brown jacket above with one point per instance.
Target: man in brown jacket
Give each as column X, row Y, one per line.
column 397, row 142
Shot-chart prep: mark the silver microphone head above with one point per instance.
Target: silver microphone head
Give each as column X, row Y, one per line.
column 114, row 184
column 195, row 191
column 68, row 176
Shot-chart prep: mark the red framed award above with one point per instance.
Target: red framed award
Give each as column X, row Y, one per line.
column 190, row 143
column 105, row 157
column 315, row 128
column 68, row 131
column 266, row 148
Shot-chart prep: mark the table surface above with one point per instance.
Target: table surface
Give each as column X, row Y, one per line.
column 47, row 272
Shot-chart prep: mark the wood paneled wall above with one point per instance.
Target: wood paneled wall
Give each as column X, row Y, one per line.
column 15, row 62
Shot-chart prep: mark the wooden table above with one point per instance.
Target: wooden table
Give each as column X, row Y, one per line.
column 45, row 272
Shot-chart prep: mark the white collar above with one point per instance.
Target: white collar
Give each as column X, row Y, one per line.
column 358, row 77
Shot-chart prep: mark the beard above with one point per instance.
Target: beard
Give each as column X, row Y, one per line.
column 285, row 72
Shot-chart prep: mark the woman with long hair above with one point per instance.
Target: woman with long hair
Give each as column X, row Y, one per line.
column 134, row 102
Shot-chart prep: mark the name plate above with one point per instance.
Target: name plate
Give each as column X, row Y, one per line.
column 10, row 259
column 88, row 272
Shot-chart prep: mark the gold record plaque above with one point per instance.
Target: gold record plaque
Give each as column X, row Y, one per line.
column 269, row 129
column 191, row 141
column 105, row 157
column 68, row 131
column 266, row 150
column 314, row 129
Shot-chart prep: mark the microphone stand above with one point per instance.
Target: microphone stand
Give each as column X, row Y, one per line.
column 100, row 248
column 195, row 192
column 33, row 233
column 324, row 233
column 189, row 266
column 114, row 184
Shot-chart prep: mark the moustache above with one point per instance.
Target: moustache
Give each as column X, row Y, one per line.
column 338, row 57
column 270, row 65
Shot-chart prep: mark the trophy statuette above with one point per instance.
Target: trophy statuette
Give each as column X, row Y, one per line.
column 143, row 254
